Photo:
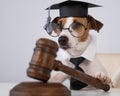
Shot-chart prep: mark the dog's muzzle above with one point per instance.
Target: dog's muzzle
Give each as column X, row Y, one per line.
column 63, row 42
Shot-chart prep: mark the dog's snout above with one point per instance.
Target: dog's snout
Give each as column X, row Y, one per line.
column 63, row 40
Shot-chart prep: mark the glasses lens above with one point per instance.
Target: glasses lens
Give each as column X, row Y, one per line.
column 52, row 29
column 76, row 29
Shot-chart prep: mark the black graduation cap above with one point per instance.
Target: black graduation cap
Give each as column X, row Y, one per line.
column 73, row 8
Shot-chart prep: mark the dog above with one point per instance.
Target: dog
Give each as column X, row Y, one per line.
column 75, row 39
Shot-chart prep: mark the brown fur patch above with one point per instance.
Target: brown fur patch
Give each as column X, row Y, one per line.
column 61, row 21
column 84, row 35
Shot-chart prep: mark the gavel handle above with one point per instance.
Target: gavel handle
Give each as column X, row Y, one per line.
column 58, row 66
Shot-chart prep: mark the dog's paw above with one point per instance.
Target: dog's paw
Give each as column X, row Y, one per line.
column 103, row 77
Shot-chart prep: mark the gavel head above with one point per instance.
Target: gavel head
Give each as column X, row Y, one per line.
column 43, row 58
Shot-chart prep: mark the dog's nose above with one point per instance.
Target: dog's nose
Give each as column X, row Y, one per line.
column 63, row 40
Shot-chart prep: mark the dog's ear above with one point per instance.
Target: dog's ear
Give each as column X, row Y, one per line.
column 94, row 24
column 55, row 25
column 55, row 20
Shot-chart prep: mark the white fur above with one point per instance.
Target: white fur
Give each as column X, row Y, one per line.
column 116, row 77
column 69, row 21
column 77, row 48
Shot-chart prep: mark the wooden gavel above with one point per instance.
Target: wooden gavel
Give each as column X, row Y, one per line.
column 43, row 62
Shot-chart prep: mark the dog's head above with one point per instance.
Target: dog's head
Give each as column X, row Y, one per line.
column 74, row 30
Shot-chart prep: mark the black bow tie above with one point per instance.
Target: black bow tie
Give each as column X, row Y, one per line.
column 75, row 84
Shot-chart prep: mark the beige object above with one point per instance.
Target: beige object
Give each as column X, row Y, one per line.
column 111, row 61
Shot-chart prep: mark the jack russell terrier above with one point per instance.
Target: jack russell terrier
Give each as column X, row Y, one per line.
column 74, row 37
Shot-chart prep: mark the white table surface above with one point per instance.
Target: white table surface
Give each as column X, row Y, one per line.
column 5, row 88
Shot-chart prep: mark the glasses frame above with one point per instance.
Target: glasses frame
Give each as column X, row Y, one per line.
column 70, row 30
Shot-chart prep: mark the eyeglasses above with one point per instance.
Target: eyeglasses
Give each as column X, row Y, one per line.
column 75, row 29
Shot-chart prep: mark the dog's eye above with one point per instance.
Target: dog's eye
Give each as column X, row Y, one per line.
column 76, row 25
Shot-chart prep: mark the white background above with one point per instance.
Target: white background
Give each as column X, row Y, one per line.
column 21, row 24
